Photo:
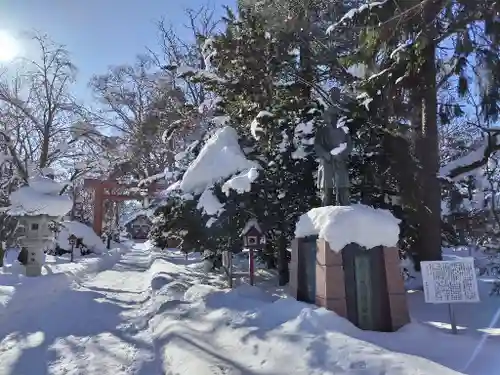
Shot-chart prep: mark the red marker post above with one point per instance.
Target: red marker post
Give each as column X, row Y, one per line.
column 251, row 266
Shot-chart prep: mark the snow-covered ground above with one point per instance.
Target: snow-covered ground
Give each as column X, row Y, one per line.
column 145, row 312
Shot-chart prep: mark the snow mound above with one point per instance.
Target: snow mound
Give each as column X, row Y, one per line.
column 159, row 281
column 80, row 230
column 199, row 292
column 220, row 158
column 342, row 225
column 252, row 292
column 39, row 197
column 317, row 320
column 278, row 336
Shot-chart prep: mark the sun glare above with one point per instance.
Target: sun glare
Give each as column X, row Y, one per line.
column 9, row 47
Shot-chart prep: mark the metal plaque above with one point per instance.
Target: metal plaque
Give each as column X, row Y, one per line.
column 364, row 295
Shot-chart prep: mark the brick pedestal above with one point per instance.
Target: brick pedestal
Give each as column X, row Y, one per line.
column 330, row 284
column 330, row 281
column 396, row 288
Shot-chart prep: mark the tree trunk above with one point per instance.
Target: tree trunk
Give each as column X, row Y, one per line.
column 283, row 272
column 428, row 153
column 306, row 63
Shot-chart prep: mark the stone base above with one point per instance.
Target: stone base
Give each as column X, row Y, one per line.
column 33, row 270
column 396, row 288
column 330, row 284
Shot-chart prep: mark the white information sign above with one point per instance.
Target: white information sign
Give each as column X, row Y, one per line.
column 450, row 281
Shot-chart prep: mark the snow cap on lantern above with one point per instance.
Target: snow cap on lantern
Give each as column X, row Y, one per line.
column 39, row 197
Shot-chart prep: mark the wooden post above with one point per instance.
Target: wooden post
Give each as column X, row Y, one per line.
column 251, row 266
column 98, row 210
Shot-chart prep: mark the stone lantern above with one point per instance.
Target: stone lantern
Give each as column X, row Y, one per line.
column 36, row 233
column 36, row 205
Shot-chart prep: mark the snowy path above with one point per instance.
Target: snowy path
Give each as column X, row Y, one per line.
column 153, row 313
column 79, row 332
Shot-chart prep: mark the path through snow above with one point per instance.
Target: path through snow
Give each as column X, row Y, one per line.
column 79, row 332
column 154, row 313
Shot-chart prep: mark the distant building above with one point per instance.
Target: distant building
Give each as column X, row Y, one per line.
column 138, row 225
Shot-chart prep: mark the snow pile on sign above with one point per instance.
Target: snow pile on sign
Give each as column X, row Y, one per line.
column 220, row 158
column 39, row 197
column 89, row 238
column 341, row 225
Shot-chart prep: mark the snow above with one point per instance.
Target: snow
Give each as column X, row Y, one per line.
column 241, row 183
column 134, row 215
column 209, row 203
column 144, row 311
column 90, row 239
column 358, row 70
column 472, row 157
column 352, row 13
column 220, row 158
column 209, row 104
column 342, row 225
column 338, row 150
column 44, row 185
column 39, row 197
column 249, row 225
column 255, row 125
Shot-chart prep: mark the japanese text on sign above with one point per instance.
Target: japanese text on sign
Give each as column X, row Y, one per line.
column 450, row 281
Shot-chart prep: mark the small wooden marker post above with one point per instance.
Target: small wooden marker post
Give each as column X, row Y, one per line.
column 72, row 241
column 253, row 239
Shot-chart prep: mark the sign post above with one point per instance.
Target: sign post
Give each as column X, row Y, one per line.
column 251, row 266
column 253, row 240
column 450, row 281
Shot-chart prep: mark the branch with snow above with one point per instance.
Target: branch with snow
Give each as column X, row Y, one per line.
column 475, row 159
column 220, row 158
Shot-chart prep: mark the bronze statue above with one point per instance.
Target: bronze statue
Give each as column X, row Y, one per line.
column 333, row 146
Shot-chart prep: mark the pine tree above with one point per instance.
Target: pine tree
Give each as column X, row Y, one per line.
column 400, row 42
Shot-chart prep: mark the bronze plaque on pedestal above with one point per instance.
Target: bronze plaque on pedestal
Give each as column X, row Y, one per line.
column 367, row 297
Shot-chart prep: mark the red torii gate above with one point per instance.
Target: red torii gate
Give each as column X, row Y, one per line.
column 100, row 195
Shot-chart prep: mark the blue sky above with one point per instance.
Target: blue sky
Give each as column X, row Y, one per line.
column 98, row 33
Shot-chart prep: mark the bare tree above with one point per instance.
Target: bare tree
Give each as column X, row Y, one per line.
column 38, row 110
column 137, row 102
column 178, row 51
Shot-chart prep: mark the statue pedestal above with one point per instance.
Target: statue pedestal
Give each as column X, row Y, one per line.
column 364, row 286
column 330, row 280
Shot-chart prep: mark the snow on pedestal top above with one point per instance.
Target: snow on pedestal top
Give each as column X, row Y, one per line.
column 39, row 197
column 341, row 225
column 220, row 158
